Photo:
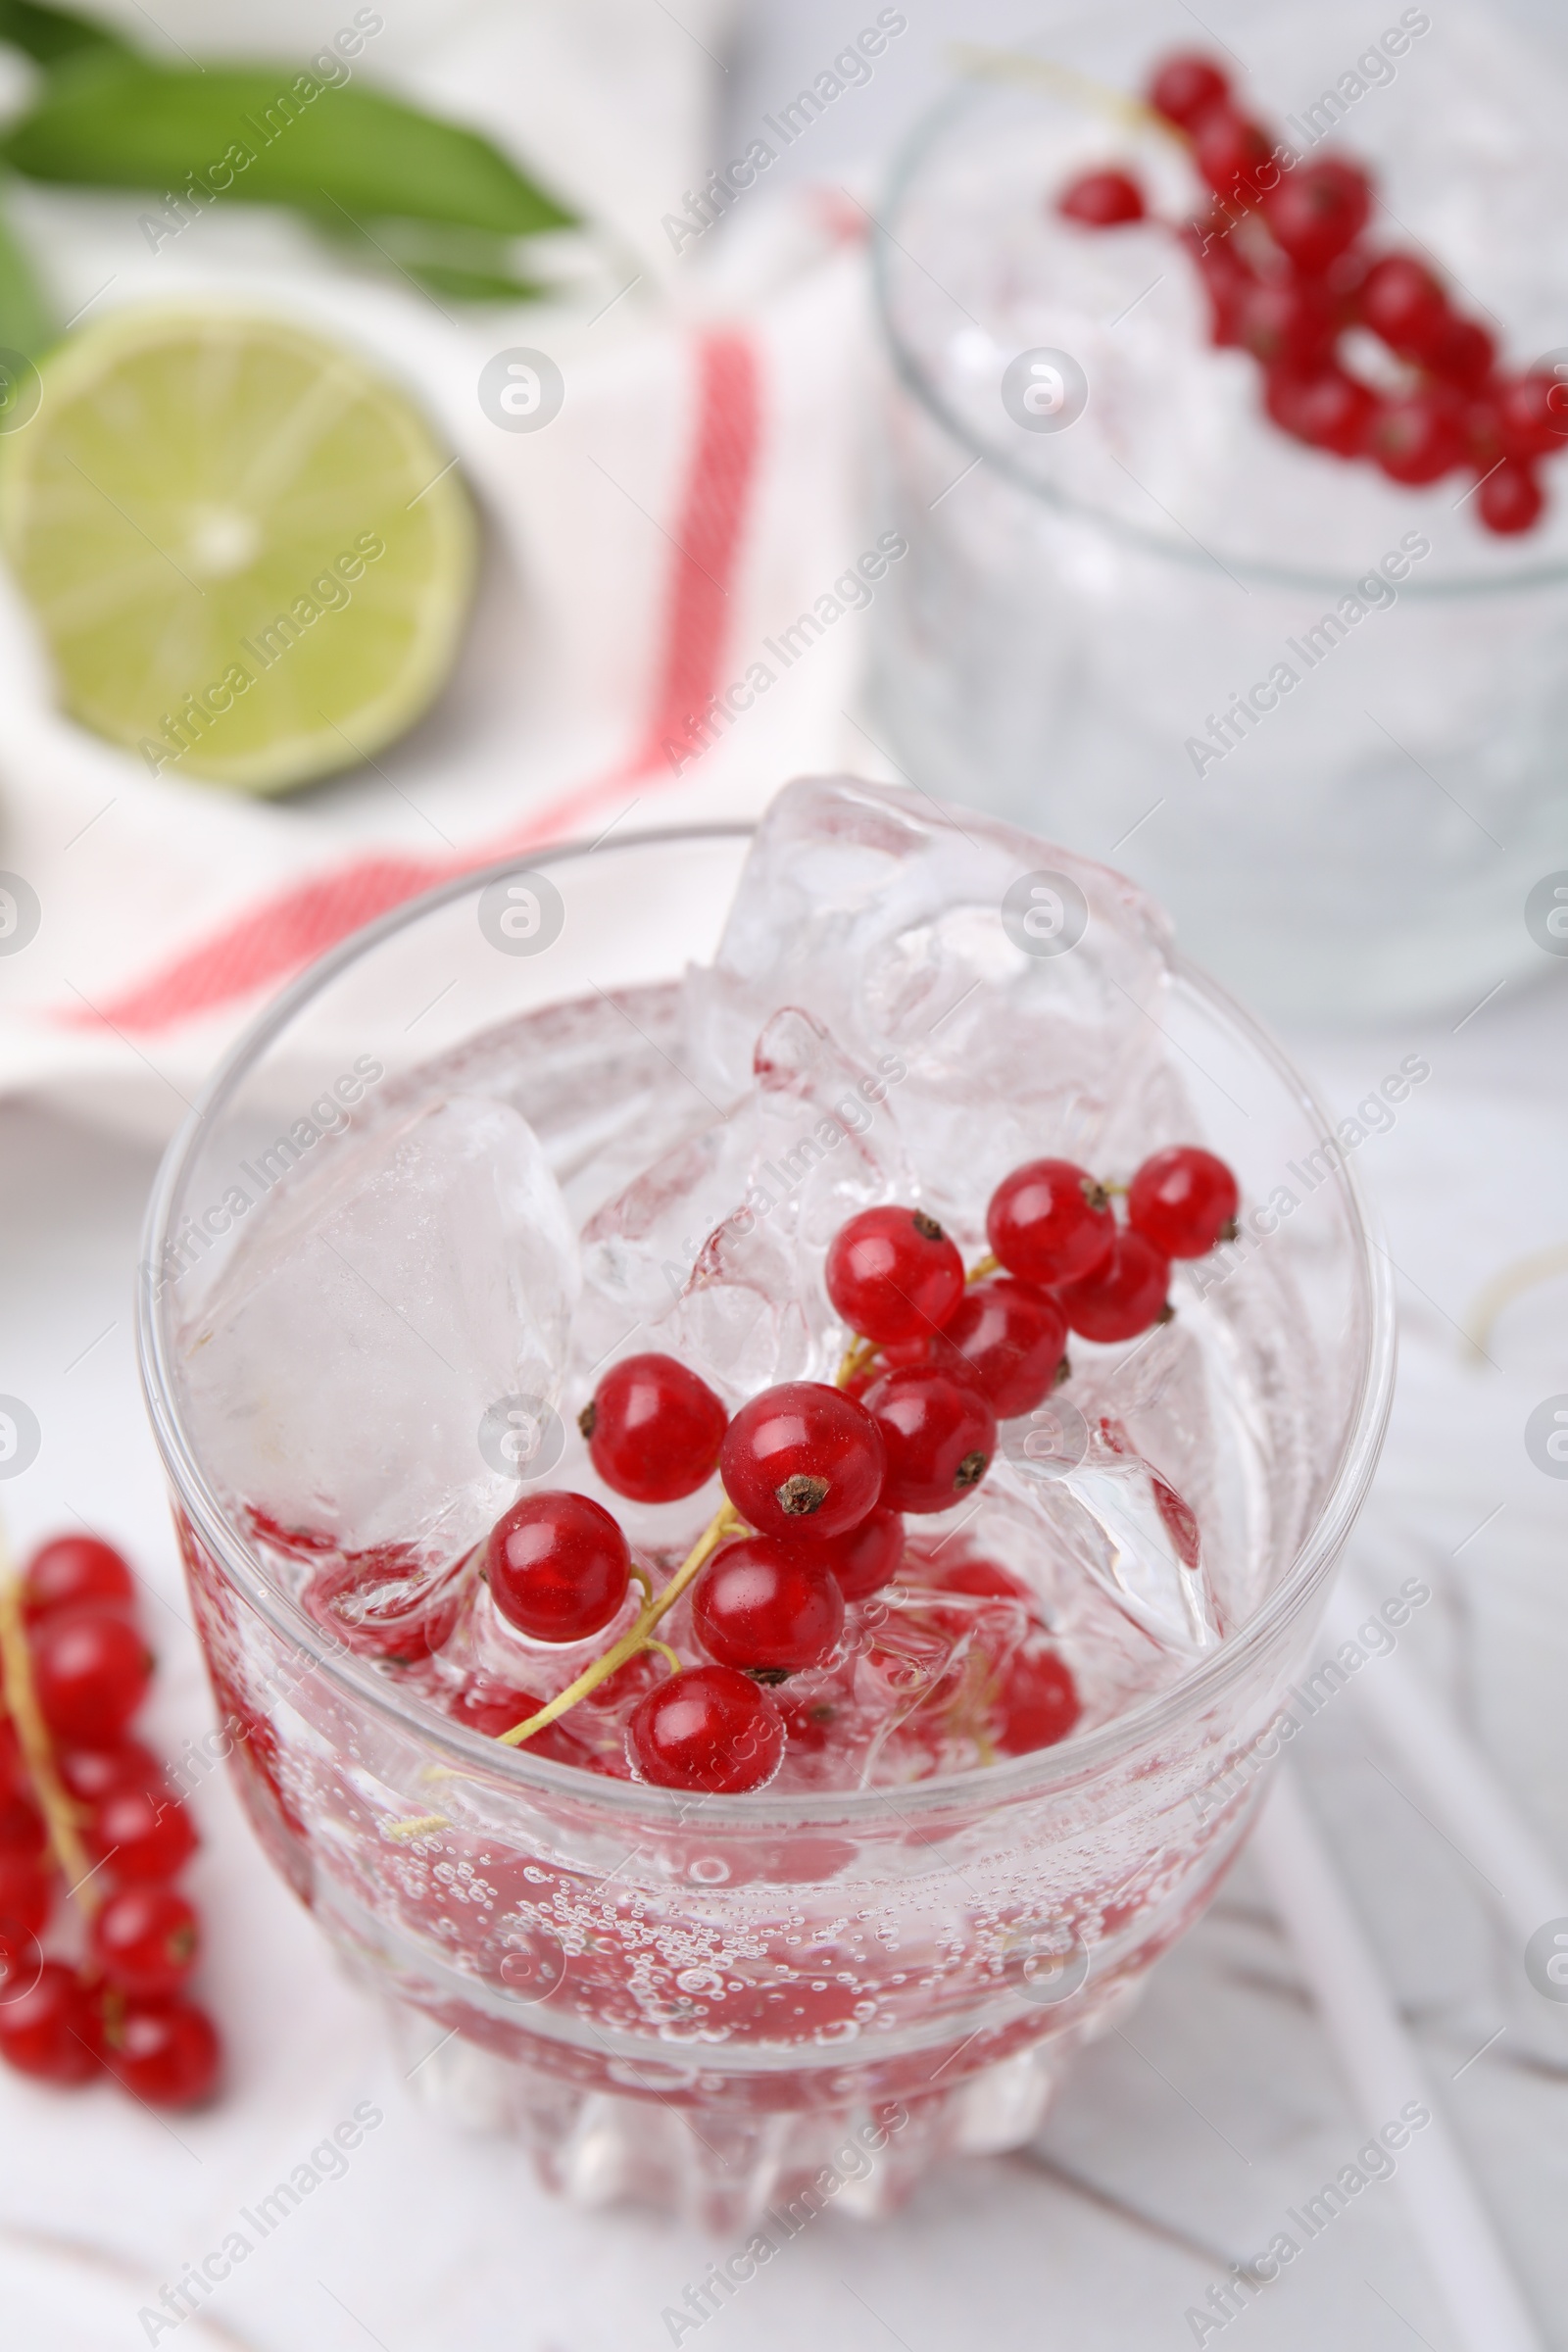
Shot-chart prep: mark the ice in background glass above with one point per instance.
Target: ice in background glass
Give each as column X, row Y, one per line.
column 696, row 1999
column 1081, row 608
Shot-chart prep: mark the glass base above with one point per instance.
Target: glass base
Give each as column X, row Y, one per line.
column 722, row 2171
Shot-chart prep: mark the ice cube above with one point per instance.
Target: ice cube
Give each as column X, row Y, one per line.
column 1004, row 986
column 349, row 1374
column 715, row 1253
column 1125, row 1524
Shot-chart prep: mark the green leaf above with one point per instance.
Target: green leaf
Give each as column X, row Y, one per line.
column 264, row 135
column 468, row 263
column 51, row 34
column 26, row 322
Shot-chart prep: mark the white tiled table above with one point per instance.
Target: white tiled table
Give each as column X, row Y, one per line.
column 1177, row 2146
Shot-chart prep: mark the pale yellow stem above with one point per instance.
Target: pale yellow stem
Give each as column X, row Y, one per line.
column 21, row 1706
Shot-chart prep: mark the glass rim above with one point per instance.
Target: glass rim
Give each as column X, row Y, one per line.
column 910, row 370
column 1038, row 1774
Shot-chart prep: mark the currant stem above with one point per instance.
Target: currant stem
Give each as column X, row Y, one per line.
column 21, row 1706
column 726, row 1522
column 983, row 1266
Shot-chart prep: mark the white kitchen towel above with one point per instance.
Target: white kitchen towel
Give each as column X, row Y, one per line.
column 699, row 490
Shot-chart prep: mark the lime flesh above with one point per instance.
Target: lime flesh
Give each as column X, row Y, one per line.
column 250, row 556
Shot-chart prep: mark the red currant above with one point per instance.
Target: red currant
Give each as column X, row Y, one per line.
column 939, row 1432
column 1460, row 352
column 1183, row 1201
column 802, row 1458
column 26, row 1895
column 22, row 1827
column 983, row 1580
column 141, row 1834
column 1401, row 301
column 1229, row 152
column 709, row 1728
column 89, row 1772
column 559, row 1567
column 1317, row 211
column 1102, row 199
column 892, row 1274
column 767, row 1608
column 146, row 1938
column 867, row 1558
column 1227, row 280
column 76, row 1572
column 1532, row 414
column 1186, row 86
column 1417, row 439
column 1050, row 1222
column 1510, row 499
column 1036, row 1702
column 653, row 1429
column 383, row 1603
column 1321, row 406
column 1122, row 1298
column 164, row 2052
column 1006, row 1340
column 1289, row 324
column 48, row 2030
column 90, row 1672
column 492, row 1708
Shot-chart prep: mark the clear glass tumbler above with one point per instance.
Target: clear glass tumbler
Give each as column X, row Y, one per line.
column 1338, row 764
column 716, row 2003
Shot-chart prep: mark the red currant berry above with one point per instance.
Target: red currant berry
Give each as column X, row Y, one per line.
column 767, row 1608
column 1532, row 414
column 164, row 2052
column 22, row 1827
column 1461, row 352
column 1317, row 211
column 709, row 1728
column 1229, row 152
column 1183, row 1201
column 1186, row 86
column 801, row 1459
column 140, row 1834
column 1122, row 1298
column 1417, row 439
column 983, row 1580
column 1007, row 1341
column 557, row 1566
column 91, row 1673
column 939, row 1432
column 1287, row 324
column 76, row 1572
column 383, row 1603
column 1036, row 1701
column 48, row 2030
column 1050, row 1222
column 12, row 1764
column 1401, row 301
column 1102, row 199
column 1510, row 499
column 892, row 1274
column 1321, row 406
column 653, row 1429
column 89, row 1772
column 491, row 1707
column 146, row 1938
column 1227, row 279
column 26, row 1895
column 867, row 1558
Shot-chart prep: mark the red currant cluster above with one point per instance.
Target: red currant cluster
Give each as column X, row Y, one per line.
column 80, row 1799
column 1287, row 276
column 819, row 1478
